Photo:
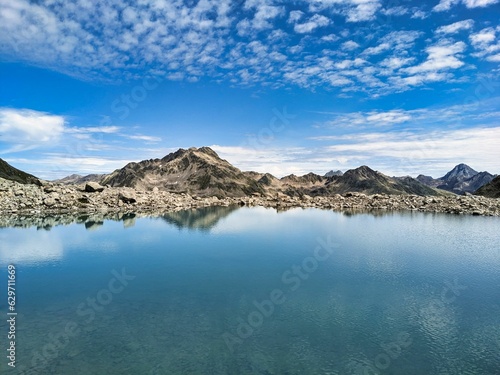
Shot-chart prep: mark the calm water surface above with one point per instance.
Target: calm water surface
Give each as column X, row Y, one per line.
column 253, row 291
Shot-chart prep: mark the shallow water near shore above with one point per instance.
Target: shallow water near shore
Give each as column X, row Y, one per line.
column 226, row 290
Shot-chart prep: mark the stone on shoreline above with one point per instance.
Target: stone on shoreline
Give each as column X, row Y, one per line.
column 55, row 198
column 93, row 187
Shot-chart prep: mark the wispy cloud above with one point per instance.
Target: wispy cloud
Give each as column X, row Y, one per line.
column 146, row 138
column 24, row 129
column 455, row 27
column 415, row 152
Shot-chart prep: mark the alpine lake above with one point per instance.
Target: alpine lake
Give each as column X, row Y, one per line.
column 230, row 290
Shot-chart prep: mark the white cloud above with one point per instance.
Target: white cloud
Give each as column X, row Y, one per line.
column 285, row 160
column 146, row 138
column 445, row 5
column 486, row 44
column 310, row 25
column 330, row 38
column 415, row 152
column 94, row 129
column 295, row 15
column 479, row 3
column 58, row 165
column 456, row 27
column 419, row 14
column 26, row 129
column 209, row 38
column 395, row 11
column 409, row 152
column 483, row 37
column 353, row 10
column 396, row 62
column 265, row 12
column 382, row 47
column 350, row 45
column 442, row 56
column 369, row 119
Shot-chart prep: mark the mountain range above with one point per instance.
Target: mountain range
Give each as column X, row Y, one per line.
column 459, row 180
column 201, row 172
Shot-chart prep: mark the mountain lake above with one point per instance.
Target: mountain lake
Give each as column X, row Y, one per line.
column 230, row 290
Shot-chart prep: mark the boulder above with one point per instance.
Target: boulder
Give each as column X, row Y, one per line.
column 93, row 187
column 49, row 202
column 127, row 196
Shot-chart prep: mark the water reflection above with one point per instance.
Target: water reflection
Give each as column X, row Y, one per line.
column 203, row 219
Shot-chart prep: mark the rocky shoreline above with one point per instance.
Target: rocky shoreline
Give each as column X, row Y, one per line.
column 31, row 200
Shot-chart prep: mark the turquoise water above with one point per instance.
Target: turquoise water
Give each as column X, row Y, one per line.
column 253, row 291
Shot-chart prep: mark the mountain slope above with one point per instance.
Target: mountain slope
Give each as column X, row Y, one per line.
column 491, row 189
column 366, row 180
column 8, row 172
column 470, row 185
column 459, row 180
column 76, row 179
column 193, row 171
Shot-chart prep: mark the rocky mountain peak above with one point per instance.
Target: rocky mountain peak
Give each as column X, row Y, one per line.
column 333, row 173
column 461, row 172
column 361, row 172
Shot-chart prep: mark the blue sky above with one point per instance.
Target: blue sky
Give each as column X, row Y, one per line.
column 406, row 87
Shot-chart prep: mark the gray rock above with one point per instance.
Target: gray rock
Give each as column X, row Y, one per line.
column 49, row 202
column 93, row 187
column 127, row 196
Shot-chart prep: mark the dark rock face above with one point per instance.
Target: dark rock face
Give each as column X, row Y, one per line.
column 8, row 172
column 491, row 189
column 459, row 180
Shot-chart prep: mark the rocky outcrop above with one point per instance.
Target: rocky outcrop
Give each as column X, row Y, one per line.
column 8, row 172
column 18, row 200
